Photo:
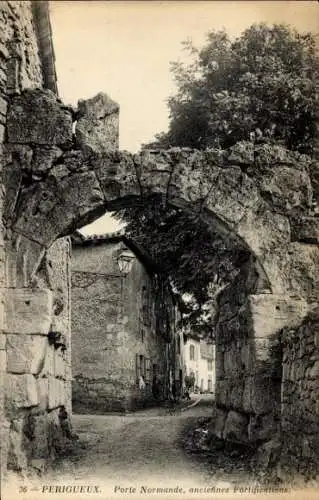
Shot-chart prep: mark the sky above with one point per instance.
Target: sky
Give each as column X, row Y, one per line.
column 124, row 48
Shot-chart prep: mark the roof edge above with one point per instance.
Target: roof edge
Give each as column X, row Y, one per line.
column 80, row 240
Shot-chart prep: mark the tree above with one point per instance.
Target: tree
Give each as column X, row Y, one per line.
column 188, row 255
column 260, row 86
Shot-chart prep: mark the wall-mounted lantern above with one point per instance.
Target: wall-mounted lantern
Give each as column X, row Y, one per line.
column 125, row 261
column 53, row 337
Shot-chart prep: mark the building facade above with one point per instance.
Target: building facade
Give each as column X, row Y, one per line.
column 123, row 327
column 199, row 359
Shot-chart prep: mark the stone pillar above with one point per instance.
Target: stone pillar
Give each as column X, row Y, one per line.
column 26, row 328
column 249, row 411
column 270, row 314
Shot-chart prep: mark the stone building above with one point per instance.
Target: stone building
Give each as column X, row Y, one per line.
column 199, row 359
column 123, row 325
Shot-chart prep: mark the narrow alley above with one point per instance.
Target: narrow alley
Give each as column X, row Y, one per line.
column 140, row 452
column 134, row 454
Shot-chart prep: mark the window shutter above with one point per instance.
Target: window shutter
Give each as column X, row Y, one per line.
column 143, row 367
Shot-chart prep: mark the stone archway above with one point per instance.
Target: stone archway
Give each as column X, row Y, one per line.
column 64, row 186
column 57, row 182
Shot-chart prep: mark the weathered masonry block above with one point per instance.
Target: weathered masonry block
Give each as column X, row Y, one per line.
column 48, row 123
column 97, row 126
column 270, row 313
column 305, row 229
column 26, row 353
column 21, row 391
column 28, row 311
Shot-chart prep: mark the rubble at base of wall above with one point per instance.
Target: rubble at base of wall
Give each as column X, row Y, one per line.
column 277, row 461
column 273, row 462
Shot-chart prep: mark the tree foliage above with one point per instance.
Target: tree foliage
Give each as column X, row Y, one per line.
column 187, row 254
column 260, row 86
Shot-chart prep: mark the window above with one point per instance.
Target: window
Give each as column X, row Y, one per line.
column 143, row 368
column 191, row 352
column 209, row 365
column 140, row 366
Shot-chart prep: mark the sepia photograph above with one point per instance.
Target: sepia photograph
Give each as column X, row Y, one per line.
column 159, row 249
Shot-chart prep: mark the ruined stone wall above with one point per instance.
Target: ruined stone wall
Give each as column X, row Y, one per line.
column 19, row 68
column 35, row 334
column 37, row 382
column 300, row 395
column 113, row 321
column 20, row 65
column 248, row 357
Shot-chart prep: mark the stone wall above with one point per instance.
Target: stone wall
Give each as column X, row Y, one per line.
column 59, row 275
column 248, row 357
column 37, row 382
column 300, row 395
column 19, row 67
column 35, row 312
column 113, row 321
